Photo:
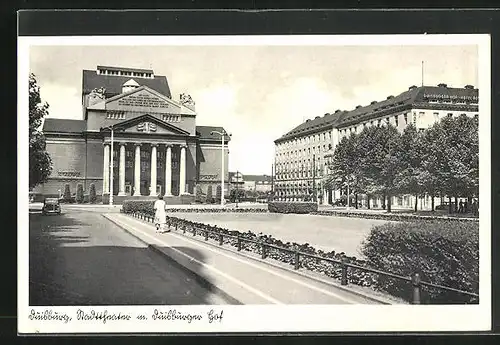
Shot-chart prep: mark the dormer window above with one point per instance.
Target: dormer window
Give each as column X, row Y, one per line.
column 129, row 85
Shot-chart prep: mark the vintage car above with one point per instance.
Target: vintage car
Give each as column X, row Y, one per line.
column 51, row 206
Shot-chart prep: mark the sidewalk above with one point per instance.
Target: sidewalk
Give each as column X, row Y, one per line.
column 246, row 279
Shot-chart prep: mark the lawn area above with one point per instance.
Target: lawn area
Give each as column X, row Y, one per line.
column 322, row 232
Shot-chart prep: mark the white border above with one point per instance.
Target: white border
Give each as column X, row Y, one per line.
column 270, row 318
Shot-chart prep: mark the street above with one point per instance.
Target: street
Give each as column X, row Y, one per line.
column 81, row 258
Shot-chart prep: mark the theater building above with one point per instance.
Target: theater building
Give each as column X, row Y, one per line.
column 133, row 139
column 302, row 155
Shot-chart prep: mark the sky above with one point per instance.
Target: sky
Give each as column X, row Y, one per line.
column 258, row 93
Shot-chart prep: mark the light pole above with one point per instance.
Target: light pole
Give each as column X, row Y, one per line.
column 237, row 189
column 112, row 130
column 222, row 134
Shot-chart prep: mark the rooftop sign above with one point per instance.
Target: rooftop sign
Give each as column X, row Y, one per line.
column 443, row 96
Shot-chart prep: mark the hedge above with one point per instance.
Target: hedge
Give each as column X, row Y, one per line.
column 377, row 248
column 443, row 252
column 392, row 216
column 292, row 207
column 142, row 206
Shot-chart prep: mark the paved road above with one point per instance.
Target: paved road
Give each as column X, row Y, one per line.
column 245, row 279
column 81, row 258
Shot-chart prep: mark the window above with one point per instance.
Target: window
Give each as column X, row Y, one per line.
column 450, row 114
column 406, row 119
column 396, row 122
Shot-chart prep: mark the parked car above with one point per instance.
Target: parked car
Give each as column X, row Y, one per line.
column 340, row 202
column 51, row 206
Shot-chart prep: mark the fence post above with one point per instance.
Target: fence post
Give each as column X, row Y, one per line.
column 415, row 280
column 263, row 254
column 297, row 260
column 184, row 229
column 221, row 239
column 239, row 243
column 206, row 235
column 343, row 280
column 194, row 231
column 176, row 226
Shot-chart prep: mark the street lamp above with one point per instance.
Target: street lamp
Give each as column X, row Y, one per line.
column 222, row 134
column 112, row 130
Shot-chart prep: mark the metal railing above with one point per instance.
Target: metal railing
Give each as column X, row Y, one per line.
column 415, row 279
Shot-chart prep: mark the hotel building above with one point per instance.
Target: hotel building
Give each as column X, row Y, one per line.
column 302, row 154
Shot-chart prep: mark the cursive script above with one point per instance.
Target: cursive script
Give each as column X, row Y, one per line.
column 49, row 315
column 103, row 316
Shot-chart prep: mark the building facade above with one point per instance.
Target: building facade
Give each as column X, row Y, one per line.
column 302, row 155
column 252, row 183
column 133, row 140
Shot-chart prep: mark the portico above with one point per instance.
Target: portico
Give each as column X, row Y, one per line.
column 145, row 168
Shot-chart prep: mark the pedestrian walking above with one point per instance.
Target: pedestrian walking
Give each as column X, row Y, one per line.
column 460, row 207
column 160, row 214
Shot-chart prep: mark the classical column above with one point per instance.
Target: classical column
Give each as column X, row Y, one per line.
column 182, row 172
column 168, row 170
column 121, row 179
column 137, row 170
column 152, row 188
column 105, row 170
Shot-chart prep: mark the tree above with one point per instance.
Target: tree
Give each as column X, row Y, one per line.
column 40, row 164
column 451, row 158
column 198, row 193
column 218, row 193
column 410, row 176
column 209, row 194
column 79, row 193
column 378, row 161
column 345, row 166
column 92, row 194
column 67, row 193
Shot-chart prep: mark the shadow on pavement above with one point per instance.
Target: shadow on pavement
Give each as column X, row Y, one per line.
column 67, row 268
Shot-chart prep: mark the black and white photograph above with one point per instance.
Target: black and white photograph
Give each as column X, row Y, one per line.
column 230, row 184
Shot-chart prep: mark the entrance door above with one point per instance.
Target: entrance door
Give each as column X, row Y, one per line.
column 158, row 189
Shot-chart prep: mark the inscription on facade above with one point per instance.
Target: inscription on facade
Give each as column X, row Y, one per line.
column 143, row 101
column 208, row 177
column 67, row 173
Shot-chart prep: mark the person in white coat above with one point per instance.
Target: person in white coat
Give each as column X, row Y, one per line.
column 160, row 214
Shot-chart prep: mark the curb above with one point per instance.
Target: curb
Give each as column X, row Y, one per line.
column 199, row 279
column 274, row 265
column 301, row 273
